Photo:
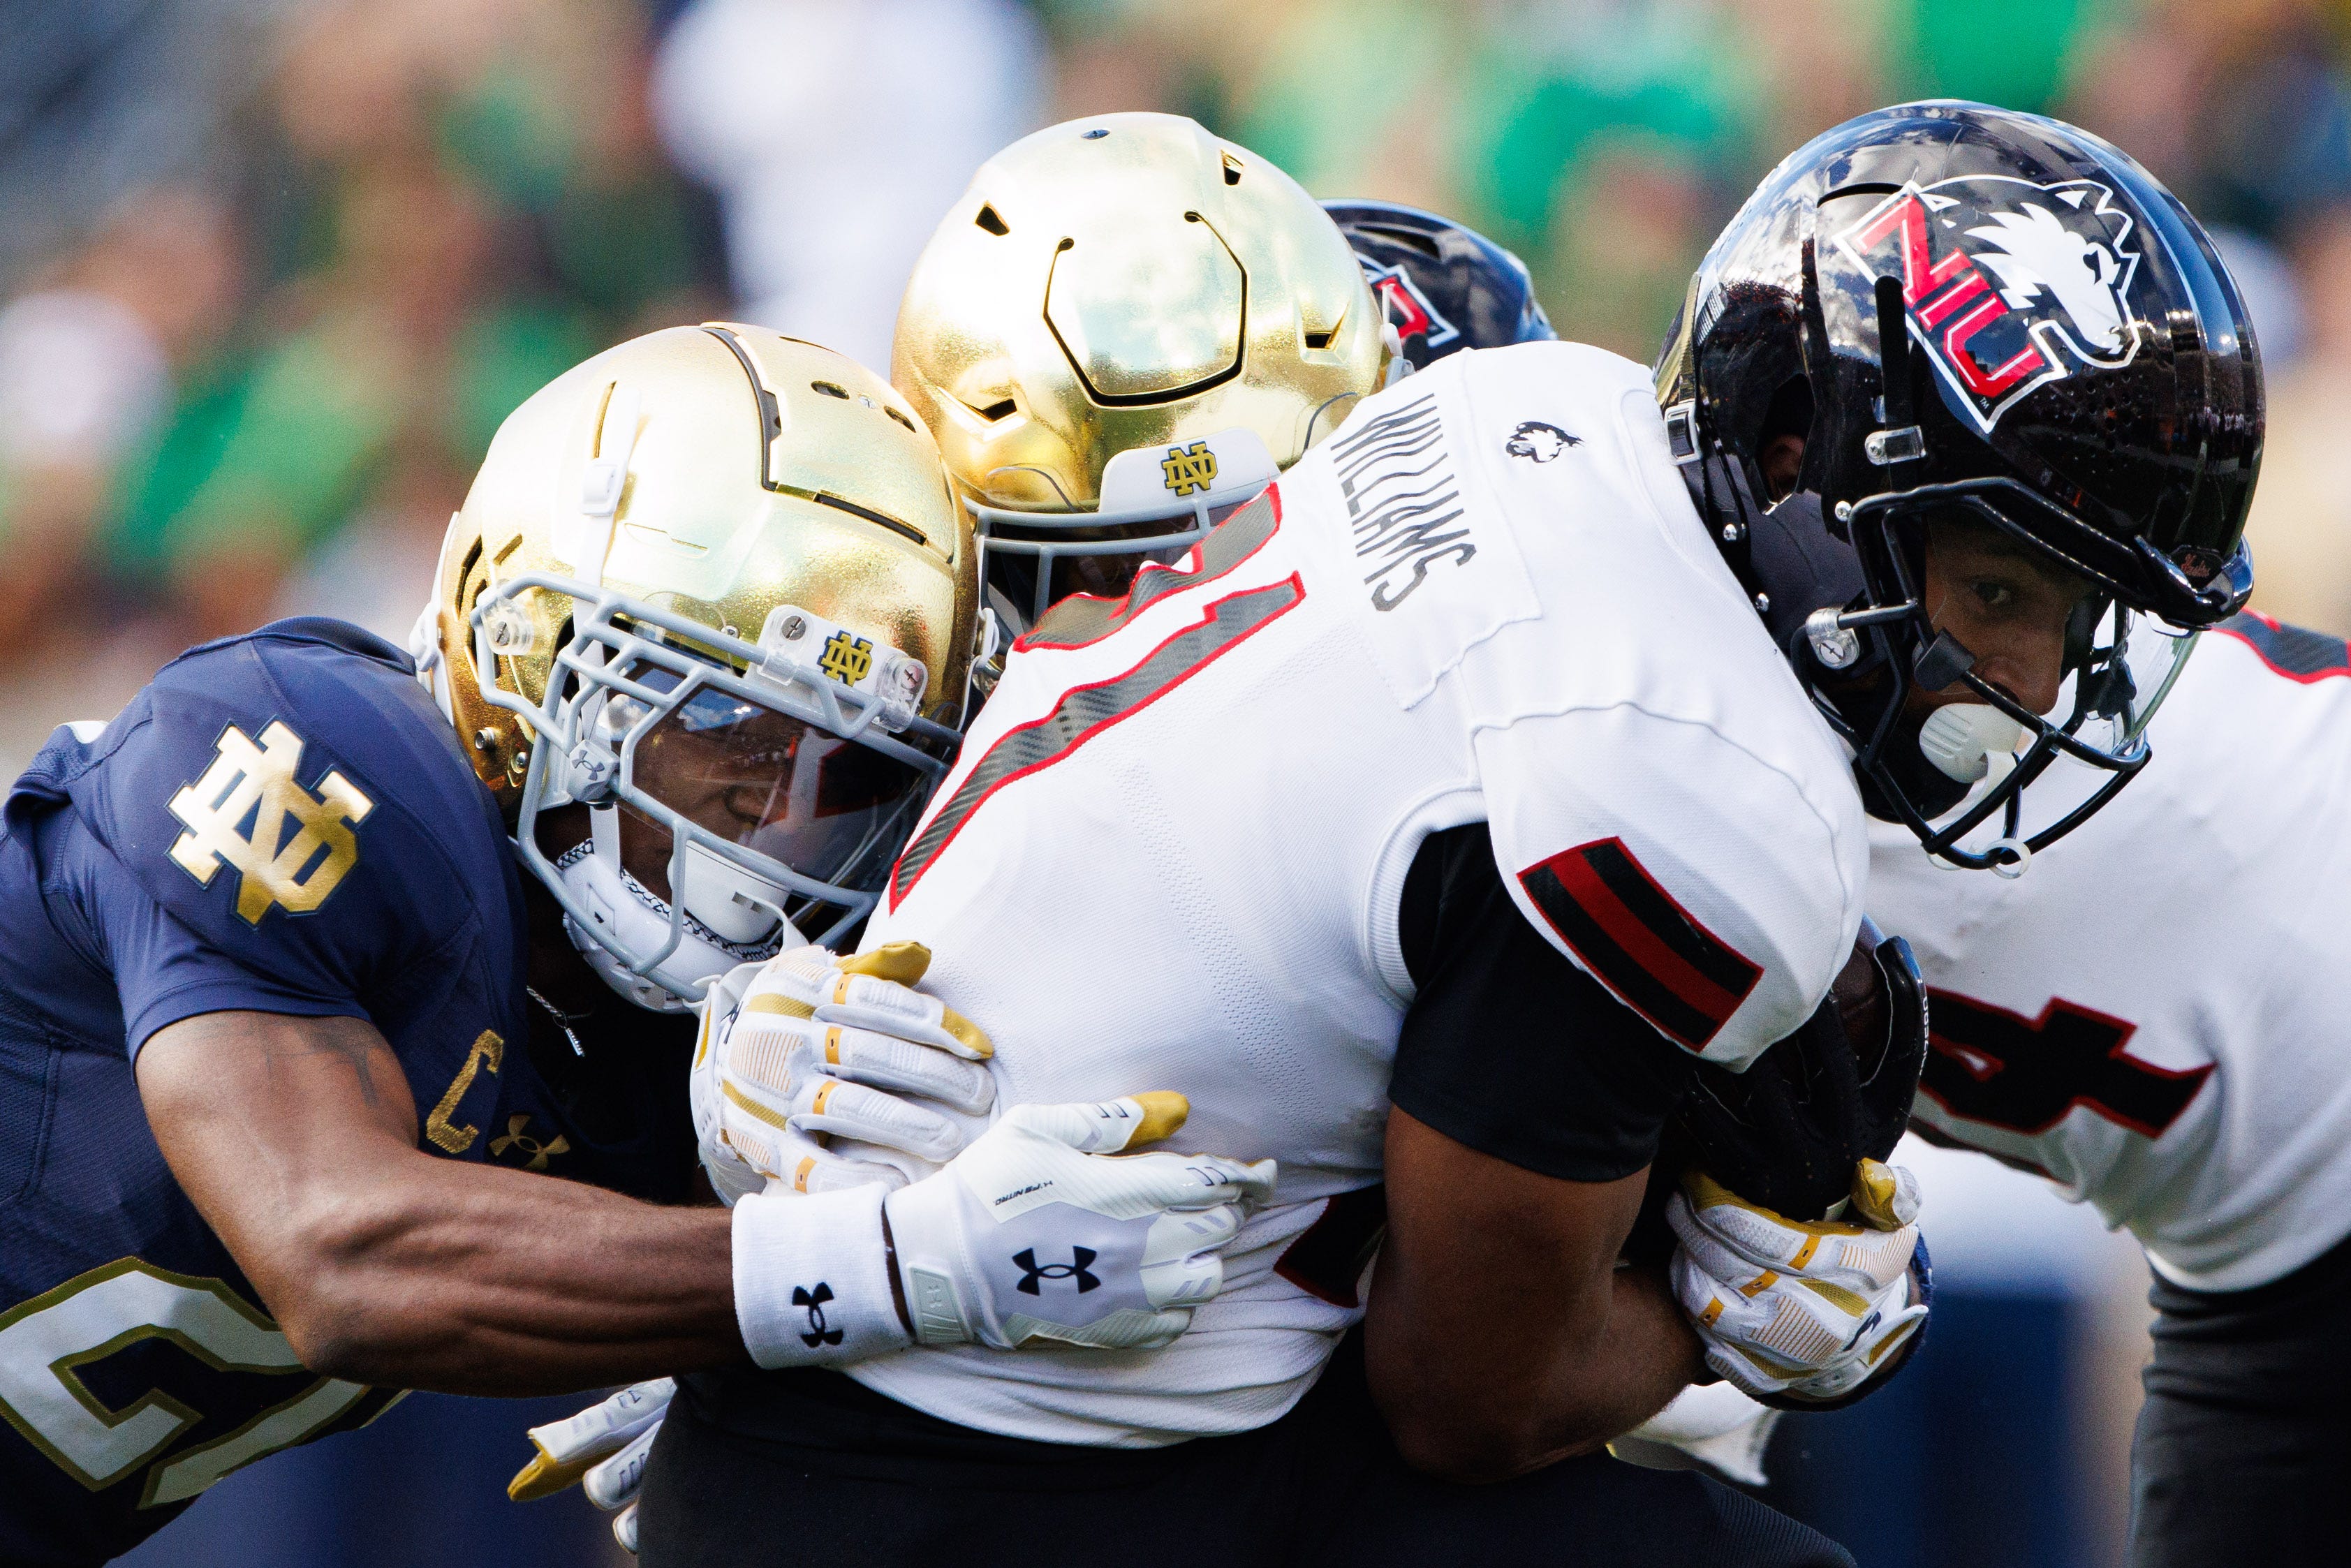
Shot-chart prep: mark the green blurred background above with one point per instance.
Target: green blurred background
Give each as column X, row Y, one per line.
column 272, row 271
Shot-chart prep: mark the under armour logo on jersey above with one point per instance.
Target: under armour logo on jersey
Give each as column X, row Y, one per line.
column 1189, row 468
column 530, row 1148
column 255, row 783
column 814, row 1301
column 1539, row 440
column 1075, row 1269
column 846, row 659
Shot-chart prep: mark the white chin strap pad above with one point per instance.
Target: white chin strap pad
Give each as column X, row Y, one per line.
column 633, row 916
column 735, row 904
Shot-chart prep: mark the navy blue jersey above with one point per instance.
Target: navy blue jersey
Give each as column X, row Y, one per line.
column 281, row 822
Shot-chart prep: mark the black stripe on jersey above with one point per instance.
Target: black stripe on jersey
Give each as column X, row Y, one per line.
column 1668, row 920
column 2294, row 651
column 1640, row 943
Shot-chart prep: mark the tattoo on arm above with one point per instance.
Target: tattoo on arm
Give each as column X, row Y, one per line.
column 350, row 1040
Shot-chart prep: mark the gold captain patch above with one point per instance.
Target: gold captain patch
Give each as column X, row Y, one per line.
column 246, row 780
column 1189, row 468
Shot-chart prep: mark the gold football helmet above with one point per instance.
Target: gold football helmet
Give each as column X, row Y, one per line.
column 705, row 622
column 1123, row 329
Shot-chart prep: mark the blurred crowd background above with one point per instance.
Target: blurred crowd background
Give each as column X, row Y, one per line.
column 272, row 271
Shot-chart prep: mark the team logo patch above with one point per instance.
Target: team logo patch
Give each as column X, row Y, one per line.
column 2006, row 284
column 1189, row 468
column 236, row 816
column 846, row 659
column 1408, row 309
column 1539, row 441
column 1638, row 942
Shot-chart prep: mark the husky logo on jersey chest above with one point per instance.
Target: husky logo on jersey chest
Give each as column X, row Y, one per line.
column 2007, row 285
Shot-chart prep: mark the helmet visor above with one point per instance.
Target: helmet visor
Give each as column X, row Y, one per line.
column 770, row 782
column 2126, row 670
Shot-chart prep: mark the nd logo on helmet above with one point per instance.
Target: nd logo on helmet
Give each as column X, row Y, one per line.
column 1189, row 468
column 258, row 781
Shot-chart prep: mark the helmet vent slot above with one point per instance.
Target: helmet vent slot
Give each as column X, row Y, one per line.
column 1002, row 410
column 870, row 516
column 900, row 418
column 1320, row 340
column 1232, row 170
column 831, row 389
column 992, row 221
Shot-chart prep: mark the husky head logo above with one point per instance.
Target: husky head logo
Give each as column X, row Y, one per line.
column 2006, row 284
column 1408, row 309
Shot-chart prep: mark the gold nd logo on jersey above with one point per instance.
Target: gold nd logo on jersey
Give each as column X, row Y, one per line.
column 255, row 783
column 846, row 659
column 1189, row 468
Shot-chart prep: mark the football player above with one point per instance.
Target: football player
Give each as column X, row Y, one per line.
column 293, row 1034
column 1442, row 286
column 2159, row 1031
column 1142, row 352
column 2106, row 1066
column 1466, row 737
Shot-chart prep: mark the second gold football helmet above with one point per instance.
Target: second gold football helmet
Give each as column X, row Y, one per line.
column 704, row 622
column 1126, row 326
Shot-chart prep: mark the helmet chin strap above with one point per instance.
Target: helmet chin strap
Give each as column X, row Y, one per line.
column 628, row 910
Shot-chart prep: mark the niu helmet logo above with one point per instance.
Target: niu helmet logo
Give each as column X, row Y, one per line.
column 1075, row 1269
column 1406, row 308
column 817, row 1332
column 2006, row 284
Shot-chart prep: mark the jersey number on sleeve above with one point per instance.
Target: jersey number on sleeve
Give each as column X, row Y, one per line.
column 46, row 1342
column 1083, row 712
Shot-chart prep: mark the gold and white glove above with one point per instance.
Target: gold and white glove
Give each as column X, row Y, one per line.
column 809, row 1046
column 1798, row 1312
column 1029, row 1234
column 603, row 1450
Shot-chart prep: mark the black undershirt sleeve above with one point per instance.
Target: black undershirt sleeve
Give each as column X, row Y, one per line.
column 1510, row 1049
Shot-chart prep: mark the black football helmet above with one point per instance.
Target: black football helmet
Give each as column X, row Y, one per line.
column 1443, row 287
column 2070, row 364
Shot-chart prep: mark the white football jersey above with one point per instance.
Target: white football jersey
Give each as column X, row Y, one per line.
column 2156, row 1015
column 1172, row 853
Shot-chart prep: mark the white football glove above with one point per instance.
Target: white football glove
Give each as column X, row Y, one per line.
column 1795, row 1312
column 1031, row 1233
column 808, row 1045
column 603, row 1449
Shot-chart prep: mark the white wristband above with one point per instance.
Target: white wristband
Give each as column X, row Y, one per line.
column 811, row 1280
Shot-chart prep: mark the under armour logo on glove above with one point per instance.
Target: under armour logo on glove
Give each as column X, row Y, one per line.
column 1074, row 1270
column 814, row 1302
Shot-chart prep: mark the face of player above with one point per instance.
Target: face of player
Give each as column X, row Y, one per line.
column 2006, row 606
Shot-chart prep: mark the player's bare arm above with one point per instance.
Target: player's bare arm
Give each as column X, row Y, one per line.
column 297, row 1139
column 1572, row 1350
